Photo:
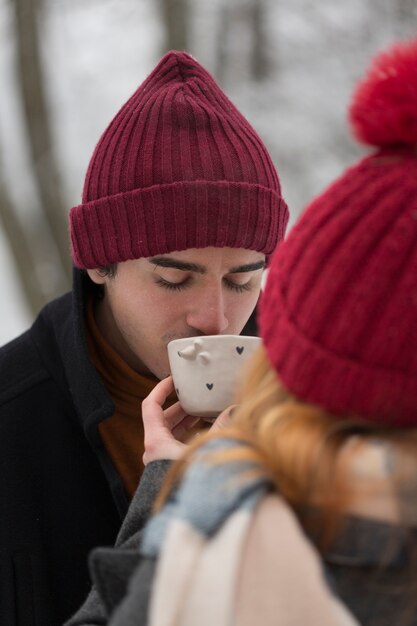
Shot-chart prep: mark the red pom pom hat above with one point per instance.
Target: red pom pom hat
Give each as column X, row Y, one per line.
column 178, row 167
column 339, row 312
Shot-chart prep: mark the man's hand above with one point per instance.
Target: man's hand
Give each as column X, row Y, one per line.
column 165, row 429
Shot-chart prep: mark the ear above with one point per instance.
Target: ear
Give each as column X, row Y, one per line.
column 96, row 277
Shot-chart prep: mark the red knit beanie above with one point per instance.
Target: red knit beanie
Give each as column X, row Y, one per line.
column 178, row 167
column 339, row 312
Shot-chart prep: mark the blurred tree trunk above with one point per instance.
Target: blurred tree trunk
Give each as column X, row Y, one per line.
column 259, row 59
column 242, row 41
column 406, row 10
column 176, row 19
column 31, row 81
column 20, row 249
column 223, row 32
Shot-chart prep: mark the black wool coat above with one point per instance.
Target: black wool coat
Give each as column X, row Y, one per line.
column 59, row 493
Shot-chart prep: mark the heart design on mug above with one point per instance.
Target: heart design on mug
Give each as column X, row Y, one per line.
column 209, row 386
column 239, row 350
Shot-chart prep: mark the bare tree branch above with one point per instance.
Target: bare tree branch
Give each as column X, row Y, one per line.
column 259, row 59
column 242, row 41
column 22, row 256
column 221, row 47
column 31, row 82
column 175, row 17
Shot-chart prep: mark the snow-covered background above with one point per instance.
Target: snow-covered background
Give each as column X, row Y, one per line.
column 96, row 52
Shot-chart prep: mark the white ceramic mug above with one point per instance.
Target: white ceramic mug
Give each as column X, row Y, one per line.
column 205, row 370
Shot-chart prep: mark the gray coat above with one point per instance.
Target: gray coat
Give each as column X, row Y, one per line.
column 368, row 567
column 112, row 567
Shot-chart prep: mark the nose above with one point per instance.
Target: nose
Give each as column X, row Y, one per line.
column 207, row 313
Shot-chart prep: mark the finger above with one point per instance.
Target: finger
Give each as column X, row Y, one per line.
column 152, row 404
column 184, row 426
column 224, row 418
column 161, row 391
column 173, row 415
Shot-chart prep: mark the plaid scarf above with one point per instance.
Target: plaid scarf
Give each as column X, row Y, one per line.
column 232, row 553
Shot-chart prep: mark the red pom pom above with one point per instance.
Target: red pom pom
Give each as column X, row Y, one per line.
column 384, row 106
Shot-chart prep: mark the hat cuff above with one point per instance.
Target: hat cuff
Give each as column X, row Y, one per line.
column 341, row 386
column 176, row 216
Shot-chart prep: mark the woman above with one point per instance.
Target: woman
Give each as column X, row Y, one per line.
column 302, row 508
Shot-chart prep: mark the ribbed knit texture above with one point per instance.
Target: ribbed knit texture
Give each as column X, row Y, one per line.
column 339, row 313
column 178, row 167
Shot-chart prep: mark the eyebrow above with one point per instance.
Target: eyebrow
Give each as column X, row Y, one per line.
column 163, row 261
column 249, row 267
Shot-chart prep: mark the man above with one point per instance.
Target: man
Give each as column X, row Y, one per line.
column 181, row 207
